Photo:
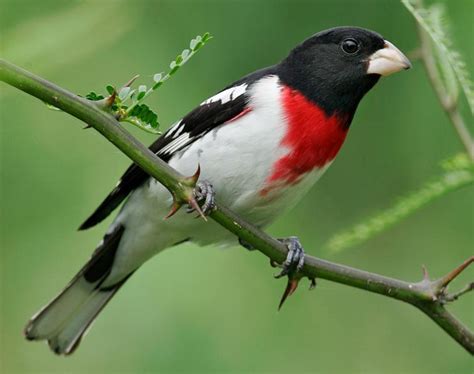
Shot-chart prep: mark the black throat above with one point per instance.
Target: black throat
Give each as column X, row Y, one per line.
column 333, row 90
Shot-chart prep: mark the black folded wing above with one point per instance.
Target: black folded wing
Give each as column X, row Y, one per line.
column 216, row 111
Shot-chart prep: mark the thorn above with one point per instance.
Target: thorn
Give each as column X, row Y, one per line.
column 192, row 180
column 174, row 208
column 86, row 127
column 312, row 284
column 426, row 276
column 193, row 203
column 110, row 100
column 291, row 287
column 448, row 278
column 130, row 82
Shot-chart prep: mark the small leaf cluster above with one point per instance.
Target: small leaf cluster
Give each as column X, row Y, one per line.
column 143, row 117
column 93, row 96
column 140, row 114
column 126, row 103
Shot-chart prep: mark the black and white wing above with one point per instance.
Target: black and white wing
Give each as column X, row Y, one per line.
column 214, row 112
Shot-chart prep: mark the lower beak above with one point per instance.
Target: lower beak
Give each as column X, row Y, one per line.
column 387, row 60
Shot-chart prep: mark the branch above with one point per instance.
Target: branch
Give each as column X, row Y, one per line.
column 448, row 102
column 428, row 296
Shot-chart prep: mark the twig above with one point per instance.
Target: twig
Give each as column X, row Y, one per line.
column 424, row 295
column 451, row 180
column 448, row 103
column 454, row 296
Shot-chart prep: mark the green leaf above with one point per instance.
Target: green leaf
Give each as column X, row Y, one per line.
column 143, row 116
column 193, row 42
column 157, row 85
column 124, row 92
column 433, row 21
column 94, row 96
column 185, row 54
column 198, row 46
column 206, row 37
column 110, row 89
column 141, row 92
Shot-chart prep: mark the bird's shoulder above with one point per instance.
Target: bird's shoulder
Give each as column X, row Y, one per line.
column 213, row 112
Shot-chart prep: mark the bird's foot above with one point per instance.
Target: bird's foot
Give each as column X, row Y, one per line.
column 294, row 259
column 201, row 199
column 205, row 195
column 292, row 267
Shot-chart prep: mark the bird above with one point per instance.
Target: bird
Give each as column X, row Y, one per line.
column 260, row 143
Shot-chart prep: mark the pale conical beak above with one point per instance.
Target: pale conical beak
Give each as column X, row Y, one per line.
column 387, row 60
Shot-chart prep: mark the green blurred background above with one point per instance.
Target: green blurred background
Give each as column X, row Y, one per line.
column 206, row 309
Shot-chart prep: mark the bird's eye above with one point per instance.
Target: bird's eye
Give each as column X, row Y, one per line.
column 350, row 46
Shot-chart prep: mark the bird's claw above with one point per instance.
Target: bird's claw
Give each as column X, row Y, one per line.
column 292, row 267
column 204, row 194
column 295, row 258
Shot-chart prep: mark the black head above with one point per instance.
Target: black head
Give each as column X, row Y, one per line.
column 335, row 68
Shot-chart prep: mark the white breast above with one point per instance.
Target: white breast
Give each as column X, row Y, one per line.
column 238, row 157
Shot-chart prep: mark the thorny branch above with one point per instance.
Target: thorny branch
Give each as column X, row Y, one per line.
column 426, row 295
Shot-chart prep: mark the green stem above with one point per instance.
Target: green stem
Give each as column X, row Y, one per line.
column 448, row 103
column 451, row 181
column 192, row 51
column 418, row 294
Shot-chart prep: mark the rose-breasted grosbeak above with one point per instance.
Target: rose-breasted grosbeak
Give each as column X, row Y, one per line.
column 262, row 142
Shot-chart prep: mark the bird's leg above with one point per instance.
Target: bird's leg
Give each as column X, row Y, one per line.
column 205, row 195
column 292, row 267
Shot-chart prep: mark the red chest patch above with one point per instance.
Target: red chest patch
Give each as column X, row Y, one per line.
column 312, row 138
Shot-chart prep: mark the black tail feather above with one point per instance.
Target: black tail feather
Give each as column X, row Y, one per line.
column 67, row 317
column 111, row 202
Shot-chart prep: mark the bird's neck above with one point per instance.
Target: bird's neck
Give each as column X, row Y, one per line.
column 313, row 138
column 336, row 92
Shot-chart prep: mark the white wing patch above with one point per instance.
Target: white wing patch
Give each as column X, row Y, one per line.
column 180, row 138
column 227, row 95
column 175, row 129
column 175, row 144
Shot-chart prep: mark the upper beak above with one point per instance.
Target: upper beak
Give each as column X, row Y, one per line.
column 387, row 60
